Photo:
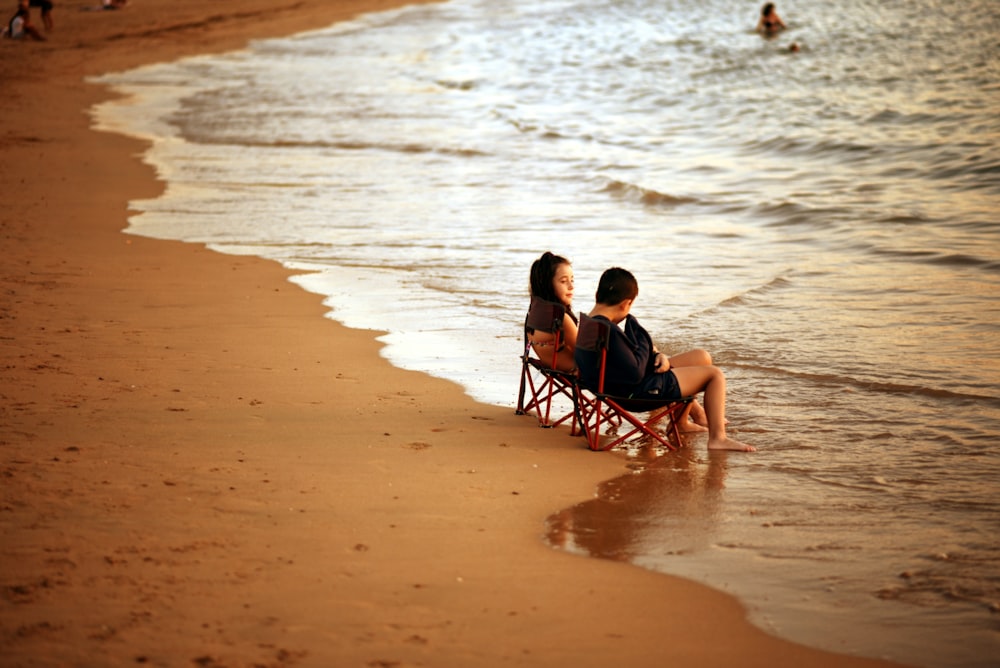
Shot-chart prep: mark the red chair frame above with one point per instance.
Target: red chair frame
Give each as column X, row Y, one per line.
column 594, row 335
column 545, row 382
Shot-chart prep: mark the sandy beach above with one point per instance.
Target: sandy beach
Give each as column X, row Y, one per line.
column 199, row 468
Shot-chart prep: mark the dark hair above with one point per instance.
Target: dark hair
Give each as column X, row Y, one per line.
column 543, row 273
column 767, row 9
column 616, row 285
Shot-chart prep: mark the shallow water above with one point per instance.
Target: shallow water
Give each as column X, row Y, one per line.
column 825, row 222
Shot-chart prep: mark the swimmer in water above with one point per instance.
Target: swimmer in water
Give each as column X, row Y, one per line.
column 770, row 23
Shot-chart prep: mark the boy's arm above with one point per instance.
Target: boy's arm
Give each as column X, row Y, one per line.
column 628, row 354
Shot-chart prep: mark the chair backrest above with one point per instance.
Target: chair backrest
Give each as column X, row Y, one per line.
column 544, row 316
column 593, row 335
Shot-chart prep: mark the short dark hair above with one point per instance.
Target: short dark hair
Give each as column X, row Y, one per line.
column 616, row 285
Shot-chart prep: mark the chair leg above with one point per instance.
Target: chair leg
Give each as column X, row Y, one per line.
column 591, row 413
column 520, row 392
column 536, row 397
column 594, row 413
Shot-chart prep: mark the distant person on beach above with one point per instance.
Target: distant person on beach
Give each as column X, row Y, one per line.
column 552, row 280
column 46, row 7
column 20, row 25
column 635, row 368
column 770, row 23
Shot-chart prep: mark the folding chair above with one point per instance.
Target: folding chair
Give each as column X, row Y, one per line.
column 594, row 336
column 545, row 382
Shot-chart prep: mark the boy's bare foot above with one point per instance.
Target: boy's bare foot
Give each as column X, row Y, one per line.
column 701, row 419
column 690, row 427
column 729, row 444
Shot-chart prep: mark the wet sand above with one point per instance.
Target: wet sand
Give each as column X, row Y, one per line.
column 199, row 468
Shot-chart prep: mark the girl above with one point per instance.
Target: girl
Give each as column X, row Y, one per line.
column 552, row 280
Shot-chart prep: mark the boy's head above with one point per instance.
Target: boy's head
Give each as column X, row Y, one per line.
column 616, row 285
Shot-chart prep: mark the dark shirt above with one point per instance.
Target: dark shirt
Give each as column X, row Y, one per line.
column 630, row 359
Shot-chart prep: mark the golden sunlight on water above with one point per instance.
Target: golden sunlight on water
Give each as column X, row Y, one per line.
column 822, row 222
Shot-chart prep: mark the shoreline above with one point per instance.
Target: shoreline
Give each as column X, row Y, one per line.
column 200, row 467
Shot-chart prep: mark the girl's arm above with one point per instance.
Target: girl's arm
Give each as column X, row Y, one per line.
column 569, row 333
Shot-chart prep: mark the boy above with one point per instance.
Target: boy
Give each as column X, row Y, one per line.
column 635, row 368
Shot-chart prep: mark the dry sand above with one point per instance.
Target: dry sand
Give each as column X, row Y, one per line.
column 199, row 468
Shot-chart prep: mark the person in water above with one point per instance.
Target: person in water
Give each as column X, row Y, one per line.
column 635, row 368
column 770, row 23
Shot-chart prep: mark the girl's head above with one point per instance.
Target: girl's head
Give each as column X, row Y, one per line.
column 616, row 285
column 767, row 9
column 552, row 279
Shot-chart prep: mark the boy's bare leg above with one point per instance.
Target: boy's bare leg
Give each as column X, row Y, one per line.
column 693, row 419
column 715, row 402
column 712, row 380
column 697, row 357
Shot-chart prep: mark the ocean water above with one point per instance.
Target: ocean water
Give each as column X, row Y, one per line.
column 826, row 222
